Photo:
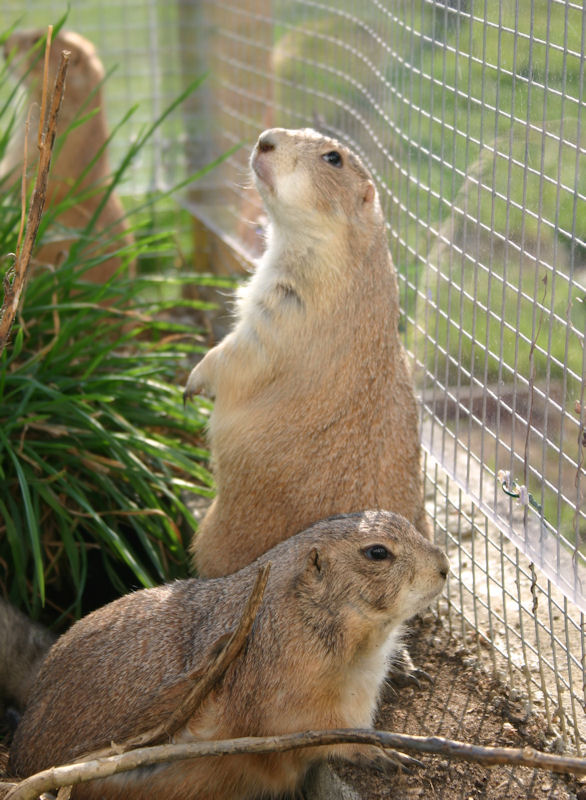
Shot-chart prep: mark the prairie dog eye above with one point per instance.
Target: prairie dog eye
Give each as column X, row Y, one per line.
column 377, row 552
column 333, row 158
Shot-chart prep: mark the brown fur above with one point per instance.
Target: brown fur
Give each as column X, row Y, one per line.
column 83, row 95
column 23, row 646
column 314, row 407
column 316, row 657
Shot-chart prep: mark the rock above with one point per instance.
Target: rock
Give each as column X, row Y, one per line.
column 322, row 783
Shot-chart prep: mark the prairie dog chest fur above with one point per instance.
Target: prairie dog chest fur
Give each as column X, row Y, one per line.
column 326, row 255
column 337, row 596
column 326, row 259
column 325, row 220
column 314, row 408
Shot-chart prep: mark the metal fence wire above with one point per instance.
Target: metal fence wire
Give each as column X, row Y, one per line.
column 147, row 50
column 470, row 115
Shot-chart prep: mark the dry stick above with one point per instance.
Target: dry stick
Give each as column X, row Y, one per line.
column 13, row 291
column 230, row 647
column 42, row 115
column 30, row 788
column 213, row 674
column 204, row 681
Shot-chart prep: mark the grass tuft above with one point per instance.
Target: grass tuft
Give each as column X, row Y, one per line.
column 97, row 451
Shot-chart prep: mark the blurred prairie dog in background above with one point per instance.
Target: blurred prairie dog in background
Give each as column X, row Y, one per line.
column 314, row 410
column 23, row 647
column 331, row 616
column 83, row 146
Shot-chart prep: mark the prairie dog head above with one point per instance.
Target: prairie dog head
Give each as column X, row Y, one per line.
column 306, row 179
column 85, row 71
column 374, row 569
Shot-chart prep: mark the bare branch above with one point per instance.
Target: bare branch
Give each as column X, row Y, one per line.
column 225, row 657
column 30, row 788
column 226, row 651
column 228, row 648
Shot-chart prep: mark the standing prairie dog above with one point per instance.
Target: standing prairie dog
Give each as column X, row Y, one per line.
column 81, row 159
column 331, row 616
column 314, row 406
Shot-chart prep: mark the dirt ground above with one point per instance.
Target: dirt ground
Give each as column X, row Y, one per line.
column 467, row 704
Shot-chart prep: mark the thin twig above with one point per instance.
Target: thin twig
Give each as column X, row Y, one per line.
column 13, row 291
column 205, row 680
column 214, row 673
column 30, row 788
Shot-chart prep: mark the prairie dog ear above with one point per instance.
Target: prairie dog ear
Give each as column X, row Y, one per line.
column 315, row 565
column 368, row 194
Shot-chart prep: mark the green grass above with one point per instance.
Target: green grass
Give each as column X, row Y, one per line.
column 97, row 451
column 95, row 446
column 481, row 315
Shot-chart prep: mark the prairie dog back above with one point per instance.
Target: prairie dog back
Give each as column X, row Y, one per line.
column 314, row 406
column 336, row 599
column 82, row 94
column 82, row 159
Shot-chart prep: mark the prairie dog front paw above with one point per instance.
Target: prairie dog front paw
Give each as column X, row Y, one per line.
column 197, row 383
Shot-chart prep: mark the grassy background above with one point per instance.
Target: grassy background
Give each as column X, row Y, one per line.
column 97, row 451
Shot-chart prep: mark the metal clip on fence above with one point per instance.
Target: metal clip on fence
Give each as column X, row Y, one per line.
column 511, row 487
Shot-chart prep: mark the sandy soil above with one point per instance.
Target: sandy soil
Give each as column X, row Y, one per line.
column 464, row 703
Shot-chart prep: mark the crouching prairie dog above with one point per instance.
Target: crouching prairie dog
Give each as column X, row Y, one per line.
column 336, row 599
column 80, row 165
column 314, row 407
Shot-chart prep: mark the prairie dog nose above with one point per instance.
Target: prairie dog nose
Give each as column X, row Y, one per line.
column 266, row 142
column 443, row 565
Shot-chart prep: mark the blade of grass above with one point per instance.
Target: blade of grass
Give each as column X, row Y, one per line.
column 33, row 531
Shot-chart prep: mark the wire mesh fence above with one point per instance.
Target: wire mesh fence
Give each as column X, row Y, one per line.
column 470, row 115
column 139, row 44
